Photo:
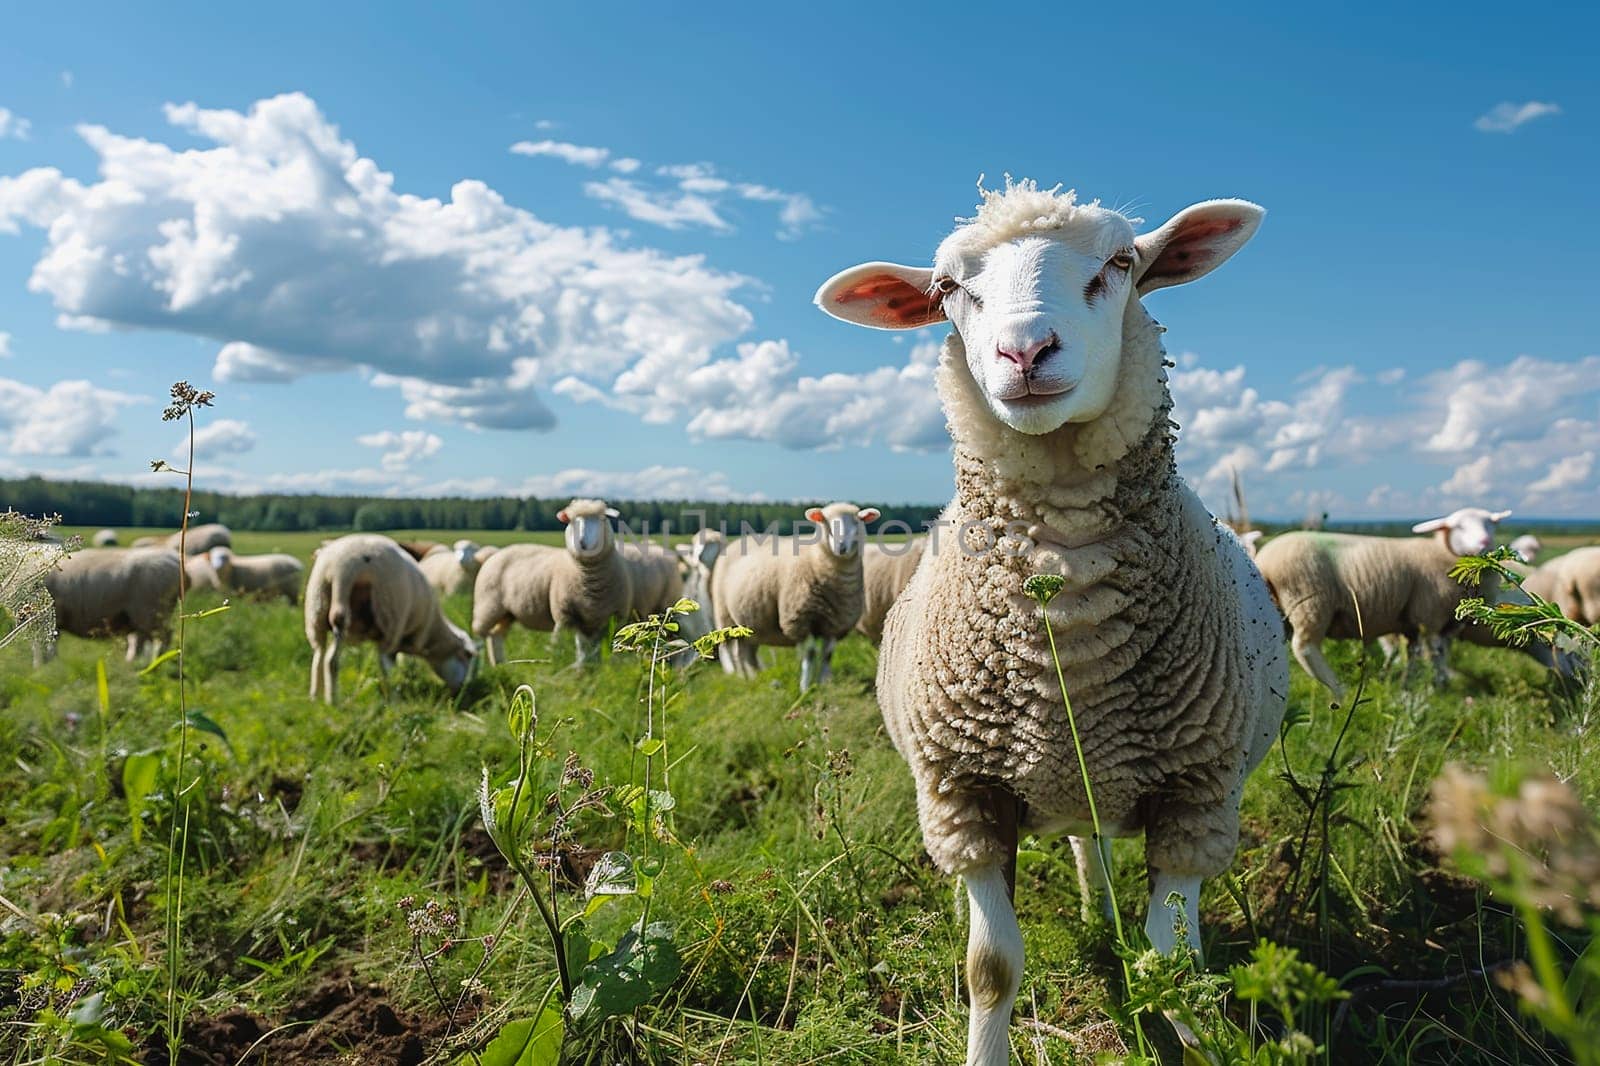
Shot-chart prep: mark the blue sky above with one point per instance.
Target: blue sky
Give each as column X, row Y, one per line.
column 319, row 213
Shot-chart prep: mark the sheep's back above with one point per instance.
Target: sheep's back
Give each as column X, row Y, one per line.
column 110, row 590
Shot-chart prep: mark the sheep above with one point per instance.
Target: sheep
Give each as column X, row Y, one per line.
column 199, row 573
column 99, row 591
column 364, row 587
column 1527, row 548
column 1054, row 390
column 420, row 549
column 106, row 538
column 1572, row 583
column 1344, row 585
column 699, row 562
column 453, row 570
column 803, row 590
column 582, row 588
column 657, row 585
column 196, row 540
column 275, row 574
column 885, row 571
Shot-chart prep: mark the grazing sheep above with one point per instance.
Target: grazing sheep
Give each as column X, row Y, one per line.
column 106, row 538
column 453, row 571
column 198, row 573
column 657, row 585
column 269, row 575
column 197, row 540
column 101, row 591
column 886, row 569
column 1054, row 389
column 1348, row 586
column 1527, row 548
column 363, row 587
column 1572, row 583
column 699, row 562
column 420, row 549
column 803, row 590
column 583, row 588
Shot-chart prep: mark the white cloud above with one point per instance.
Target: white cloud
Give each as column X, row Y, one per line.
column 671, row 210
column 1565, row 473
column 1506, row 117
column 225, row 436
column 1473, row 480
column 404, row 448
column 74, row 418
column 13, row 125
column 798, row 213
column 625, row 165
column 5, row 345
column 576, row 154
column 650, row 483
column 285, row 245
column 1392, row 376
column 544, row 124
column 1480, row 404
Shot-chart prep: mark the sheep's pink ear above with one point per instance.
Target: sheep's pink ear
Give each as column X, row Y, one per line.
column 882, row 296
column 869, row 514
column 1194, row 242
column 816, row 515
column 561, row 515
column 1499, row 516
column 1430, row 525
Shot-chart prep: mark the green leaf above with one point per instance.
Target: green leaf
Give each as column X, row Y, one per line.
column 644, row 964
column 102, row 690
column 648, row 746
column 140, row 773
column 165, row 657
column 527, row 1042
column 197, row 719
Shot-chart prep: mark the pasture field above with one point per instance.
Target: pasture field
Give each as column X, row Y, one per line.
column 341, row 899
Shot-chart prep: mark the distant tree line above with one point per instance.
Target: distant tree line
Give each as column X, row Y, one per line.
column 98, row 503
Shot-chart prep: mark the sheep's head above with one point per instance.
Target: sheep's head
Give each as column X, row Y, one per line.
column 588, row 527
column 1527, row 547
column 842, row 527
column 1469, row 531
column 451, row 655
column 221, row 559
column 1037, row 286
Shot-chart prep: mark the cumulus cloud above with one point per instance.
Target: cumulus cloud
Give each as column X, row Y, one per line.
column 225, row 436
column 626, row 165
column 576, row 154
column 1568, row 472
column 797, row 212
column 13, row 125
column 650, row 483
column 666, row 208
column 758, row 394
column 1507, row 117
column 1480, row 403
column 285, row 245
column 402, row 448
column 72, row 418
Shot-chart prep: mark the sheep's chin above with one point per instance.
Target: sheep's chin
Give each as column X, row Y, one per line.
column 1038, row 415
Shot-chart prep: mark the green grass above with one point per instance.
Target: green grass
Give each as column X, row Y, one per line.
column 811, row 925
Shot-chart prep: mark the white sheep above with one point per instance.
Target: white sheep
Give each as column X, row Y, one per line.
column 106, row 538
column 583, row 588
column 653, row 572
column 803, row 590
column 273, row 574
column 452, row 570
column 364, row 587
column 1572, row 583
column 1527, row 548
column 886, row 569
column 112, row 591
column 699, row 557
column 1054, row 389
column 1349, row 586
column 196, row 540
column 198, row 573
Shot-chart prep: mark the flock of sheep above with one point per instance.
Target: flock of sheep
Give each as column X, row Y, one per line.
column 1167, row 630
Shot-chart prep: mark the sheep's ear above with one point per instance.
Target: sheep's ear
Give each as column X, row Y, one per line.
column 869, row 514
column 882, row 296
column 561, row 516
column 1430, row 525
column 816, row 515
column 612, row 512
column 1194, row 242
column 1499, row 516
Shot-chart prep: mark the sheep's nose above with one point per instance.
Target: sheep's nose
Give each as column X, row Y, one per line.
column 1027, row 352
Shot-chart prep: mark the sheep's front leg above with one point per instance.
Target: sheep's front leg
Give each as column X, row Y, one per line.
column 808, row 668
column 133, row 648
column 588, row 650
column 1167, row 910
column 825, row 654
column 994, row 965
column 317, row 652
column 330, row 670
column 1094, row 877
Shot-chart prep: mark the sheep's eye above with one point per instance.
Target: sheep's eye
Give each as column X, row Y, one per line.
column 946, row 285
column 1121, row 261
